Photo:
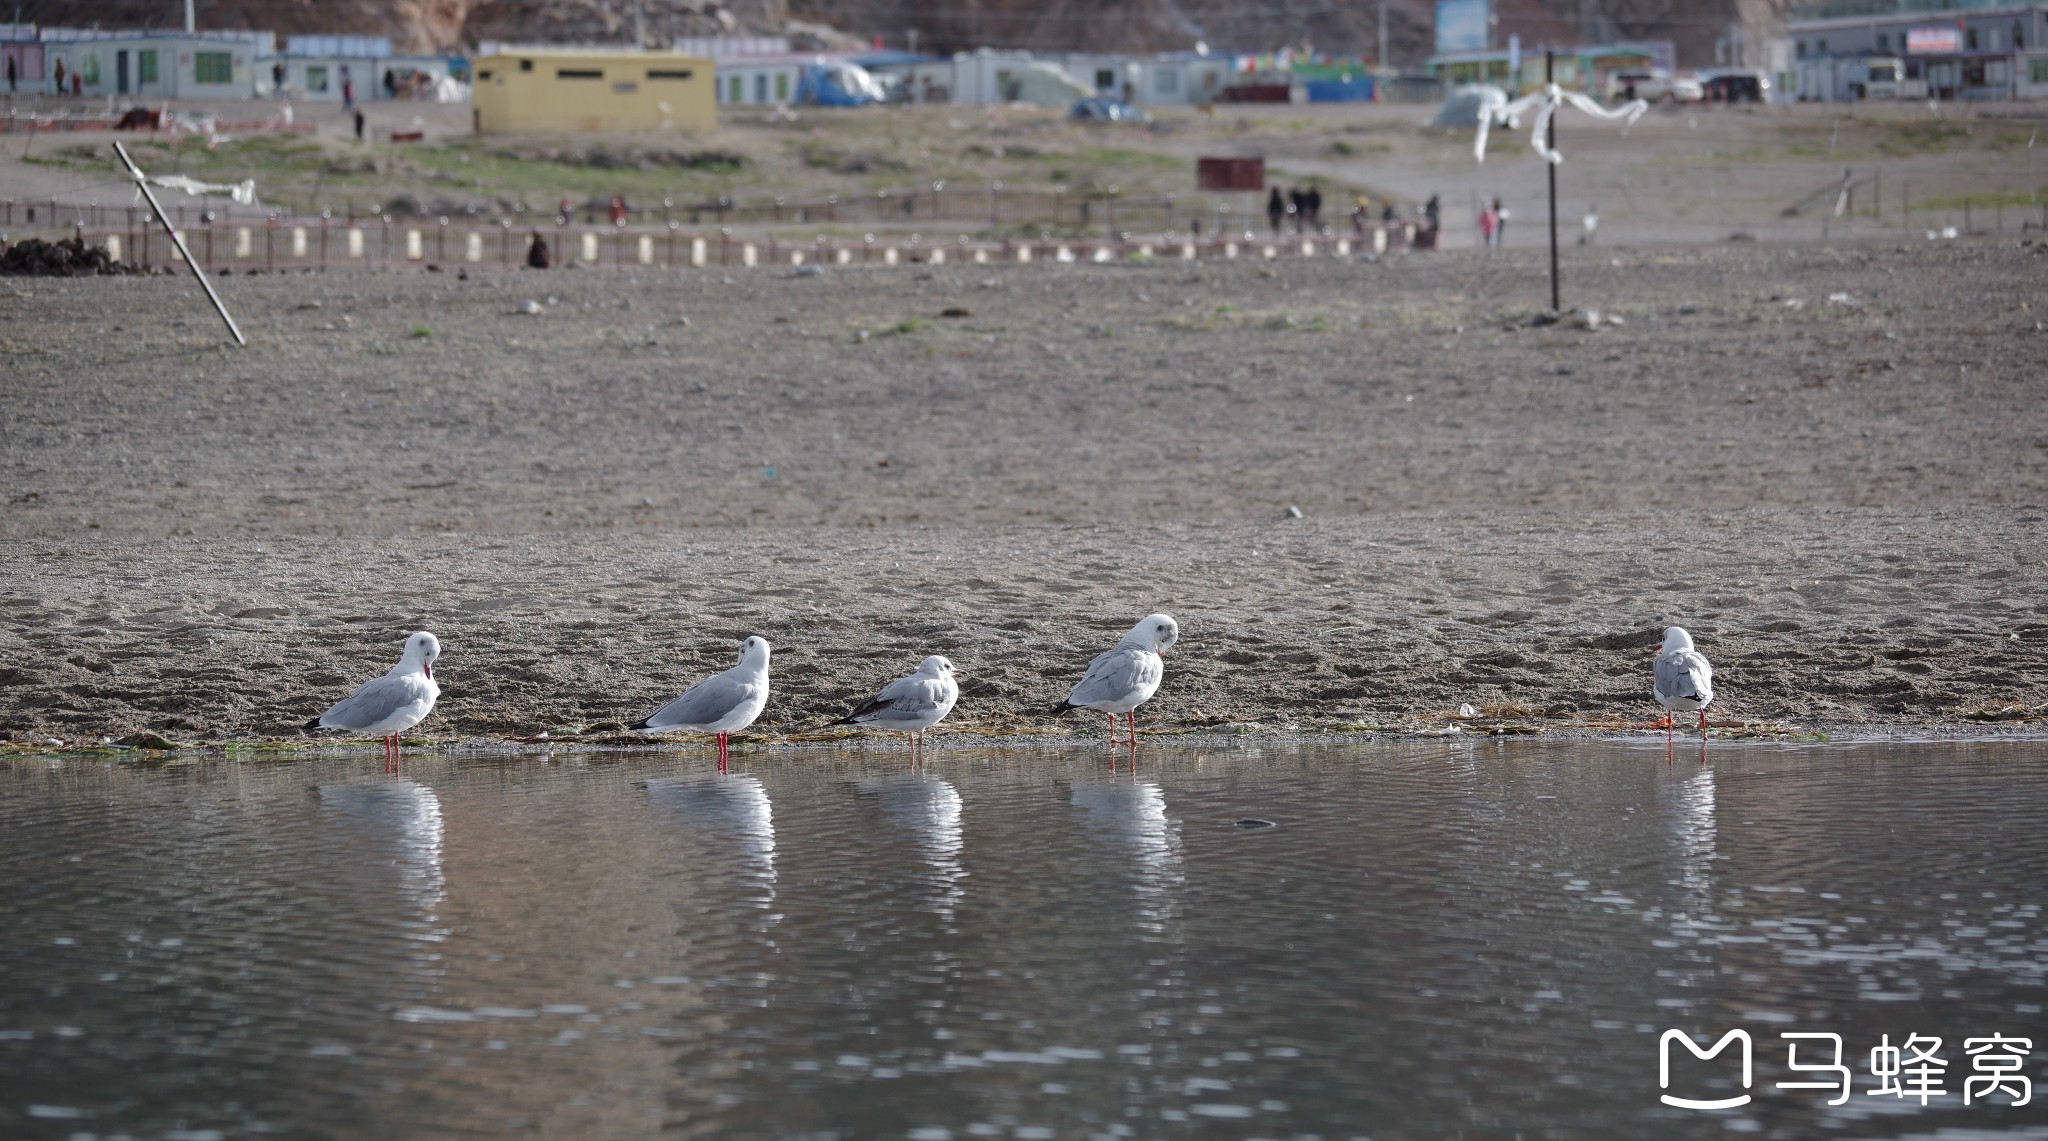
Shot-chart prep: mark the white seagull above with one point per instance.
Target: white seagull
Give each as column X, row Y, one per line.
column 720, row 705
column 1127, row 676
column 1685, row 679
column 911, row 705
column 393, row 703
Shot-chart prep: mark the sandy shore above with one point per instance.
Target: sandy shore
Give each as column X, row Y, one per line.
column 1842, row 499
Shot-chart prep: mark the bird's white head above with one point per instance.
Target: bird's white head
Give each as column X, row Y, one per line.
column 938, row 665
column 1675, row 639
column 420, row 650
column 1157, row 633
column 754, row 652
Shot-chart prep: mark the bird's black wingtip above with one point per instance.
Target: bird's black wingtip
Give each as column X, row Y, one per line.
column 640, row 724
column 311, row 725
column 1062, row 707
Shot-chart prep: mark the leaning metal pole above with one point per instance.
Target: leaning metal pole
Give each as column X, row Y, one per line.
column 1549, row 78
column 178, row 239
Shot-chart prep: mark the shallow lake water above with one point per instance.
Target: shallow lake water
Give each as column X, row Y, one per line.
column 1467, row 938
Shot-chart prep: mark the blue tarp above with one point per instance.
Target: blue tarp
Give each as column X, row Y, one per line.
column 1350, row 89
column 835, row 85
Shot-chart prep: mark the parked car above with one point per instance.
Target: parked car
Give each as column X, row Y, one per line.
column 1735, row 86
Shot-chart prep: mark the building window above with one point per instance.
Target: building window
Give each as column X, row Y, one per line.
column 1820, row 47
column 733, row 89
column 579, row 73
column 145, row 67
column 1104, row 79
column 89, row 68
column 213, row 67
column 1166, row 81
column 659, row 74
column 2037, row 71
column 1970, row 40
column 1799, row 49
column 1884, row 43
column 316, row 79
column 526, row 65
column 781, row 87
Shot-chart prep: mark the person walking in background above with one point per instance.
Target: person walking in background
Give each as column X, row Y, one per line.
column 59, row 73
column 537, row 253
column 1312, row 201
column 1433, row 210
column 10, row 75
column 359, row 124
column 1276, row 208
column 348, row 91
column 618, row 210
column 1500, row 223
column 1296, row 208
column 1489, row 225
column 277, row 79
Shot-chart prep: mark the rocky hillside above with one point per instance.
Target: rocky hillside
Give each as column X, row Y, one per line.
column 1250, row 25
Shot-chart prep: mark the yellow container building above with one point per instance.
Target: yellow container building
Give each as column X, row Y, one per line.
column 569, row 92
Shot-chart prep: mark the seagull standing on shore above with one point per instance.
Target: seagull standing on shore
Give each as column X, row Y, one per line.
column 720, row 705
column 1126, row 676
column 1684, row 678
column 393, row 703
column 911, row 705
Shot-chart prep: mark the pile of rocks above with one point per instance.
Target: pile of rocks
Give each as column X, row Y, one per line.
column 70, row 257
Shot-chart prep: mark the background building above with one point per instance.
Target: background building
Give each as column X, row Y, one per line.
column 592, row 91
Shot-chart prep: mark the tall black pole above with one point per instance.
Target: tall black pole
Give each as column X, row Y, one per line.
column 1550, row 142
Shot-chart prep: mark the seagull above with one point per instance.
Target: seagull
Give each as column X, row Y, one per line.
column 1685, row 679
column 393, row 703
column 1127, row 676
column 720, row 705
column 911, row 705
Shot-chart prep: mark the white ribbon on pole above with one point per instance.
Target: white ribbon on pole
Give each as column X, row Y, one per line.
column 1495, row 106
column 243, row 192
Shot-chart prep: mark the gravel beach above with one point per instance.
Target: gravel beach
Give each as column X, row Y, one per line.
column 1828, row 463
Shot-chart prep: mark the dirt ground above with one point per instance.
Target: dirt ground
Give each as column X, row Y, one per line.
column 1829, row 463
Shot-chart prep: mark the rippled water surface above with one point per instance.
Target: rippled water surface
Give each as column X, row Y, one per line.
column 1433, row 940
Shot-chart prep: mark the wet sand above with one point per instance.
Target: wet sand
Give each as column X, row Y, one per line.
column 1842, row 499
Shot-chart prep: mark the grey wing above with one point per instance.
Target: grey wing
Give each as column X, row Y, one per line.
column 905, row 699
column 701, row 704
column 373, row 703
column 1115, row 675
column 1685, row 675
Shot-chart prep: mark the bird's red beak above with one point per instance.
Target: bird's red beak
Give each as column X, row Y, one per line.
column 429, row 667
column 1654, row 646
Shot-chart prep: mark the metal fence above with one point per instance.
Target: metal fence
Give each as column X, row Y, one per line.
column 321, row 243
column 991, row 211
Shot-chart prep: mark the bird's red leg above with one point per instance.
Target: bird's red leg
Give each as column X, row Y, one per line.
column 1112, row 728
column 1131, row 725
column 1703, row 722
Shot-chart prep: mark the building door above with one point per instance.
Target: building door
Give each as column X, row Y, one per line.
column 121, row 72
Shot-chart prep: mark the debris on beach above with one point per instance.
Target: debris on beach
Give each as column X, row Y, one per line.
column 530, row 308
column 68, row 257
column 1292, row 512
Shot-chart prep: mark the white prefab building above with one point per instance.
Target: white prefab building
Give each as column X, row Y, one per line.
column 1164, row 79
column 174, row 65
